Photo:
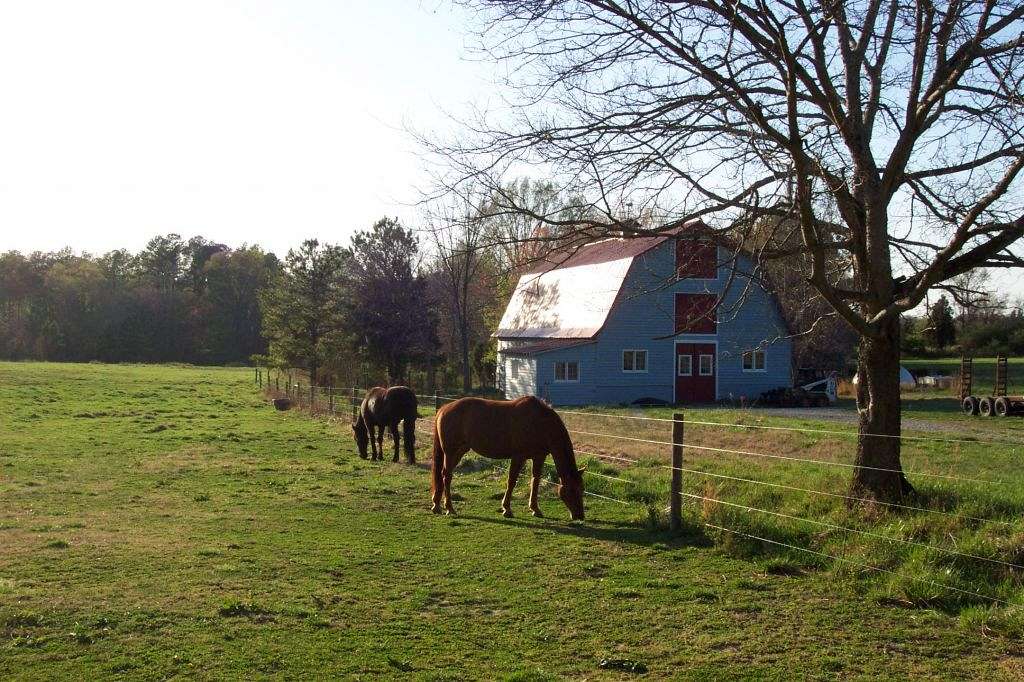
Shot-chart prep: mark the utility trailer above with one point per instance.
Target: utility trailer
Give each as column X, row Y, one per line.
column 999, row 404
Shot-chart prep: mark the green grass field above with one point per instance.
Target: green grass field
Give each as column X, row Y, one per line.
column 984, row 372
column 162, row 522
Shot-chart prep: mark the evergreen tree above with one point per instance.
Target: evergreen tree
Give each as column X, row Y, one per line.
column 941, row 329
column 303, row 309
column 388, row 315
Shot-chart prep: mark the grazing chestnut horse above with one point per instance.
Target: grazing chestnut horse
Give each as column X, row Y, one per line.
column 517, row 430
column 385, row 407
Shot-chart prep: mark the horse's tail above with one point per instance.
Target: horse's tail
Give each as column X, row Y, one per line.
column 438, row 460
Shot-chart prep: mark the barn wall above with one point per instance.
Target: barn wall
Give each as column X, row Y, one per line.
column 567, row 393
column 644, row 318
column 525, row 383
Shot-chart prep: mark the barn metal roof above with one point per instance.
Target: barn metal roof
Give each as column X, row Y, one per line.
column 538, row 347
column 570, row 295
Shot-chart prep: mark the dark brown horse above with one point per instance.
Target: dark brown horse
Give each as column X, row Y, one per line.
column 517, row 430
column 386, row 407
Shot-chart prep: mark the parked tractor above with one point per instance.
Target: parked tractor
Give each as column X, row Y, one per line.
column 821, row 393
column 998, row 404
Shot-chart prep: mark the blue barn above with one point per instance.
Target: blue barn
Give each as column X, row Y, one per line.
column 672, row 317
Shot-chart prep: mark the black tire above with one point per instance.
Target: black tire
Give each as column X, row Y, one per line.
column 1002, row 406
column 986, row 407
column 970, row 405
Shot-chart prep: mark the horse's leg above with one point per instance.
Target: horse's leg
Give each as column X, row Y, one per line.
column 538, row 471
column 436, row 474
column 513, row 474
column 451, row 460
column 393, row 428
column 380, row 443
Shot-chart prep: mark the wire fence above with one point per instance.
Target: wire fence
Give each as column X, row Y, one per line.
column 336, row 402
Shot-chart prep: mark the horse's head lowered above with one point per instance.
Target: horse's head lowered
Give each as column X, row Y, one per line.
column 571, row 493
column 362, row 436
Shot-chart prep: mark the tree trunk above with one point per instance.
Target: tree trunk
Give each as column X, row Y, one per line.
column 467, row 376
column 431, row 386
column 878, row 407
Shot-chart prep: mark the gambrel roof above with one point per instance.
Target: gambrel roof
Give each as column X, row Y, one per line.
column 569, row 296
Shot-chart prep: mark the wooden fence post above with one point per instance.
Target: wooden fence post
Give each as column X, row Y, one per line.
column 355, row 393
column 436, row 403
column 312, row 398
column 676, row 503
column 330, row 399
column 277, row 382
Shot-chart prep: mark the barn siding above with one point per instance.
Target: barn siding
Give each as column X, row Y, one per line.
column 526, row 383
column 568, row 393
column 644, row 317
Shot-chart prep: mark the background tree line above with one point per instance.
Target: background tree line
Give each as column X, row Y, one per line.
column 392, row 304
column 175, row 301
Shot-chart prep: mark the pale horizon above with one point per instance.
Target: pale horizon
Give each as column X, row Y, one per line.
column 266, row 124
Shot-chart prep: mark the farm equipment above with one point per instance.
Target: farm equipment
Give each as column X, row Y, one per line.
column 999, row 403
column 821, row 393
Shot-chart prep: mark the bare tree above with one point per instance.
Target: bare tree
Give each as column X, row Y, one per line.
column 850, row 114
column 458, row 235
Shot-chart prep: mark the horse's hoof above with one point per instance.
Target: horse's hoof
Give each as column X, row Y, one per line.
column 537, row 513
column 450, row 511
column 362, row 456
column 507, row 513
column 436, row 508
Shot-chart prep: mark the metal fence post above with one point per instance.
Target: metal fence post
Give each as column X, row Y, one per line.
column 676, row 503
column 330, row 399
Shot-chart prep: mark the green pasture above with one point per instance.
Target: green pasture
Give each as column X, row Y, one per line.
column 984, row 373
column 160, row 522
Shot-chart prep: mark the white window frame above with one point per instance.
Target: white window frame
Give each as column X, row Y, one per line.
column 566, row 380
column 689, row 365
column 634, row 352
column 752, row 354
column 711, row 365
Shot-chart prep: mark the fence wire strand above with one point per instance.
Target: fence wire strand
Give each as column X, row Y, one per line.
column 786, row 457
column 311, row 402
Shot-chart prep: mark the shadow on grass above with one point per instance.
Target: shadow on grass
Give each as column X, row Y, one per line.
column 625, row 532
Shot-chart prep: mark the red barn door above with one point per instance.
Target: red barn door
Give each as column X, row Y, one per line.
column 696, row 373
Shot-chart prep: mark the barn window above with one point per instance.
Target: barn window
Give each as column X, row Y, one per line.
column 634, row 361
column 696, row 259
column 685, row 365
column 754, row 361
column 513, row 368
column 707, row 365
column 567, row 370
column 696, row 314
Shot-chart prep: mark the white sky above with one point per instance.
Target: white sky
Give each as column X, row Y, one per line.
column 248, row 121
column 259, row 121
